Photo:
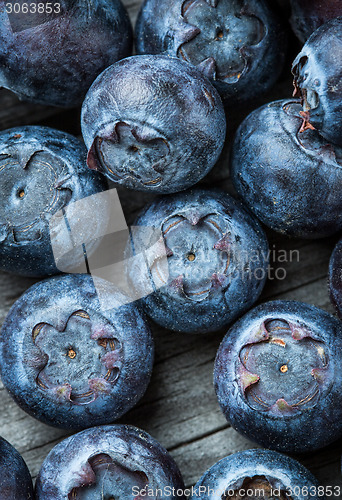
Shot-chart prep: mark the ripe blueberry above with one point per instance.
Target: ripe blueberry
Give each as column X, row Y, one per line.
column 277, row 376
column 317, row 74
column 53, row 57
column 153, row 123
column 217, row 257
column 335, row 278
column 308, row 15
column 238, row 45
column 257, row 475
column 288, row 175
column 15, row 479
column 109, row 462
column 73, row 355
column 42, row 171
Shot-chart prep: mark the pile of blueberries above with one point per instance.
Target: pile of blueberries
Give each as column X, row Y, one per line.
column 75, row 351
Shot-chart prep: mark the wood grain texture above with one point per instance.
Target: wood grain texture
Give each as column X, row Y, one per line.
column 179, row 408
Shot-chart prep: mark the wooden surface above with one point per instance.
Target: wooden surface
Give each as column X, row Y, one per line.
column 180, row 408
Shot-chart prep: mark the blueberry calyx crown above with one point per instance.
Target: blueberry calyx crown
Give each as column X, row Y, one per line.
column 129, row 153
column 198, row 251
column 102, row 469
column 224, row 51
column 35, row 184
column 256, row 484
column 283, row 369
column 59, row 351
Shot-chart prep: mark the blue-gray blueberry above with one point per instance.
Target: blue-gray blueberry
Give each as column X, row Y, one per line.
column 308, row 15
column 278, row 379
column 52, row 53
column 153, row 123
column 15, row 479
column 317, row 72
column 240, row 46
column 256, row 475
column 74, row 353
column 110, row 462
column 42, row 172
column 287, row 174
column 217, row 259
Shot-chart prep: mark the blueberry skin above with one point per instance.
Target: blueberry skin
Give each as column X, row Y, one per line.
column 71, row 362
column 258, row 469
column 217, row 258
column 41, row 66
column 111, row 460
column 42, row 171
column 317, row 72
column 277, row 376
column 308, row 15
column 286, row 173
column 153, row 123
column 241, row 48
column 15, row 479
column 335, row 278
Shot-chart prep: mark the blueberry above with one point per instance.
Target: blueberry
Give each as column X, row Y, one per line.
column 42, row 171
column 72, row 354
column 217, row 257
column 43, row 66
column 153, row 123
column 257, row 475
column 286, row 173
column 277, row 376
column 308, row 15
column 335, row 278
column 239, row 45
column 15, row 479
column 111, row 462
column 317, row 74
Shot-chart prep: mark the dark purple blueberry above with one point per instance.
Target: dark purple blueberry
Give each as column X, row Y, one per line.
column 15, row 479
column 335, row 278
column 317, row 74
column 258, row 475
column 217, row 258
column 117, row 462
column 286, row 173
column 52, row 56
column 308, row 15
column 73, row 354
column 153, row 123
column 239, row 45
column 278, row 379
column 42, row 171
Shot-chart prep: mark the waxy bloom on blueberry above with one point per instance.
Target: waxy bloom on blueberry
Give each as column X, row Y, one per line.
column 52, row 54
column 42, row 171
column 308, row 15
column 317, row 74
column 69, row 363
column 15, row 479
column 238, row 45
column 110, row 462
column 335, row 278
column 257, row 475
column 153, row 123
column 217, row 257
column 287, row 173
column 277, row 376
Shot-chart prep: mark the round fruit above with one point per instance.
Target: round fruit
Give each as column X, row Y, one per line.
column 215, row 265
column 277, row 376
column 73, row 353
